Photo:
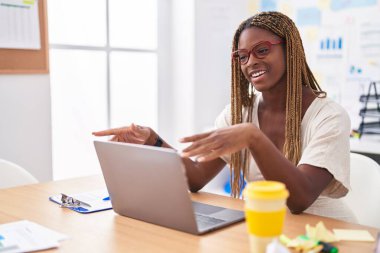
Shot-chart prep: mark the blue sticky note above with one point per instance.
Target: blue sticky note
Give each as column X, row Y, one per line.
column 309, row 16
column 2, row 237
column 268, row 5
column 338, row 5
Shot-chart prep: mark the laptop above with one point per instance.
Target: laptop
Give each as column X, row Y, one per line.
column 149, row 184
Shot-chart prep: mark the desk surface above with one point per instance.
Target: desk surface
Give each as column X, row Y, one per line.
column 108, row 232
column 368, row 143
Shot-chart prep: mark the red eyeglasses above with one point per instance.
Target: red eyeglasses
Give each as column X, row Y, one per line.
column 259, row 50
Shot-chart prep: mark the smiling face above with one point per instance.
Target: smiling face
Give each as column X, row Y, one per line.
column 267, row 73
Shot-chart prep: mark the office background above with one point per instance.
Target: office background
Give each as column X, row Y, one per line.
column 165, row 64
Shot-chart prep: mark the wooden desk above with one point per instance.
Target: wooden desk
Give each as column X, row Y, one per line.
column 108, row 232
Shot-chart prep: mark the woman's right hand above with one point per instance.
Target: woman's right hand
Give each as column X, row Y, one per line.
column 131, row 134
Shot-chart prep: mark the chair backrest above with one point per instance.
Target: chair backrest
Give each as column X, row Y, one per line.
column 12, row 175
column 364, row 197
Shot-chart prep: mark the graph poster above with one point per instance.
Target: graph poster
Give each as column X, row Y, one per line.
column 19, row 24
column 331, row 44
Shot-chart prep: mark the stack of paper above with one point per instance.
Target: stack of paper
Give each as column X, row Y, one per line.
column 25, row 236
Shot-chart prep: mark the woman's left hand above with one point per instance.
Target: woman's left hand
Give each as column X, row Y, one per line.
column 211, row 145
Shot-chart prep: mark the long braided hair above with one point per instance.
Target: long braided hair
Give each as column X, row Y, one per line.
column 298, row 74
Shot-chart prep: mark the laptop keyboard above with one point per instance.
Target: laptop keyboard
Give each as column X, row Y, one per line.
column 206, row 221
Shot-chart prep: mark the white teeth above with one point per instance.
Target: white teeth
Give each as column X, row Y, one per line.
column 256, row 74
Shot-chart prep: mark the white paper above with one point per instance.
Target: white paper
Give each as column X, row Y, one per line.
column 353, row 235
column 19, row 24
column 29, row 236
column 370, row 39
column 276, row 247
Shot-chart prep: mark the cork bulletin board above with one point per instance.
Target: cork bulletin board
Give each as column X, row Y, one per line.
column 22, row 61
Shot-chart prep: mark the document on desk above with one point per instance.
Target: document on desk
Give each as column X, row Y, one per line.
column 92, row 201
column 26, row 236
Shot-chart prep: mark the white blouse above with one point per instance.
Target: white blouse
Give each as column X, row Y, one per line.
column 325, row 130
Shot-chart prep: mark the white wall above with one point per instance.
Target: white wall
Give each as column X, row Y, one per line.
column 202, row 32
column 164, row 58
column 25, row 123
column 201, row 37
column 182, row 74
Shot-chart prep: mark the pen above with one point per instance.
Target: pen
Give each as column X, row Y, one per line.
column 106, row 198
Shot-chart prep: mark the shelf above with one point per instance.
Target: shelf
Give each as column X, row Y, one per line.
column 371, row 130
column 370, row 98
column 371, row 124
column 371, row 109
column 373, row 113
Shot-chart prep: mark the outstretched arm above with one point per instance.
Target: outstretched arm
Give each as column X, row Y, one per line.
column 305, row 182
column 198, row 174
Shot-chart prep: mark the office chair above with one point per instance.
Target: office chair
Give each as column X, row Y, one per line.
column 13, row 175
column 364, row 197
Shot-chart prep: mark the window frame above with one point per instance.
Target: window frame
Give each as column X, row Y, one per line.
column 108, row 49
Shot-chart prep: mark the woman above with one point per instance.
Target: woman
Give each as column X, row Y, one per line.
column 288, row 132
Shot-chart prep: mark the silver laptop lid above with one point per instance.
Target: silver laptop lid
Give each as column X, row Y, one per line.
column 147, row 183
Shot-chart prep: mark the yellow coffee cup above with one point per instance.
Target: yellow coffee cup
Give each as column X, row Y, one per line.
column 265, row 209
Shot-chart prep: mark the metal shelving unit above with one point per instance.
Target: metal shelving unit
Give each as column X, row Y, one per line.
column 370, row 113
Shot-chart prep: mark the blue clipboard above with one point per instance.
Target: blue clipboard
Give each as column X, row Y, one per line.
column 93, row 201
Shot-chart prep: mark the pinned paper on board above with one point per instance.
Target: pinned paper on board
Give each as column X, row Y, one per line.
column 309, row 16
column 19, row 24
column 268, row 5
column 338, row 5
column 324, row 4
column 286, row 8
column 369, row 39
column 253, row 6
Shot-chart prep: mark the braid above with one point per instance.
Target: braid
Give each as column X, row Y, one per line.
column 239, row 97
column 298, row 74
